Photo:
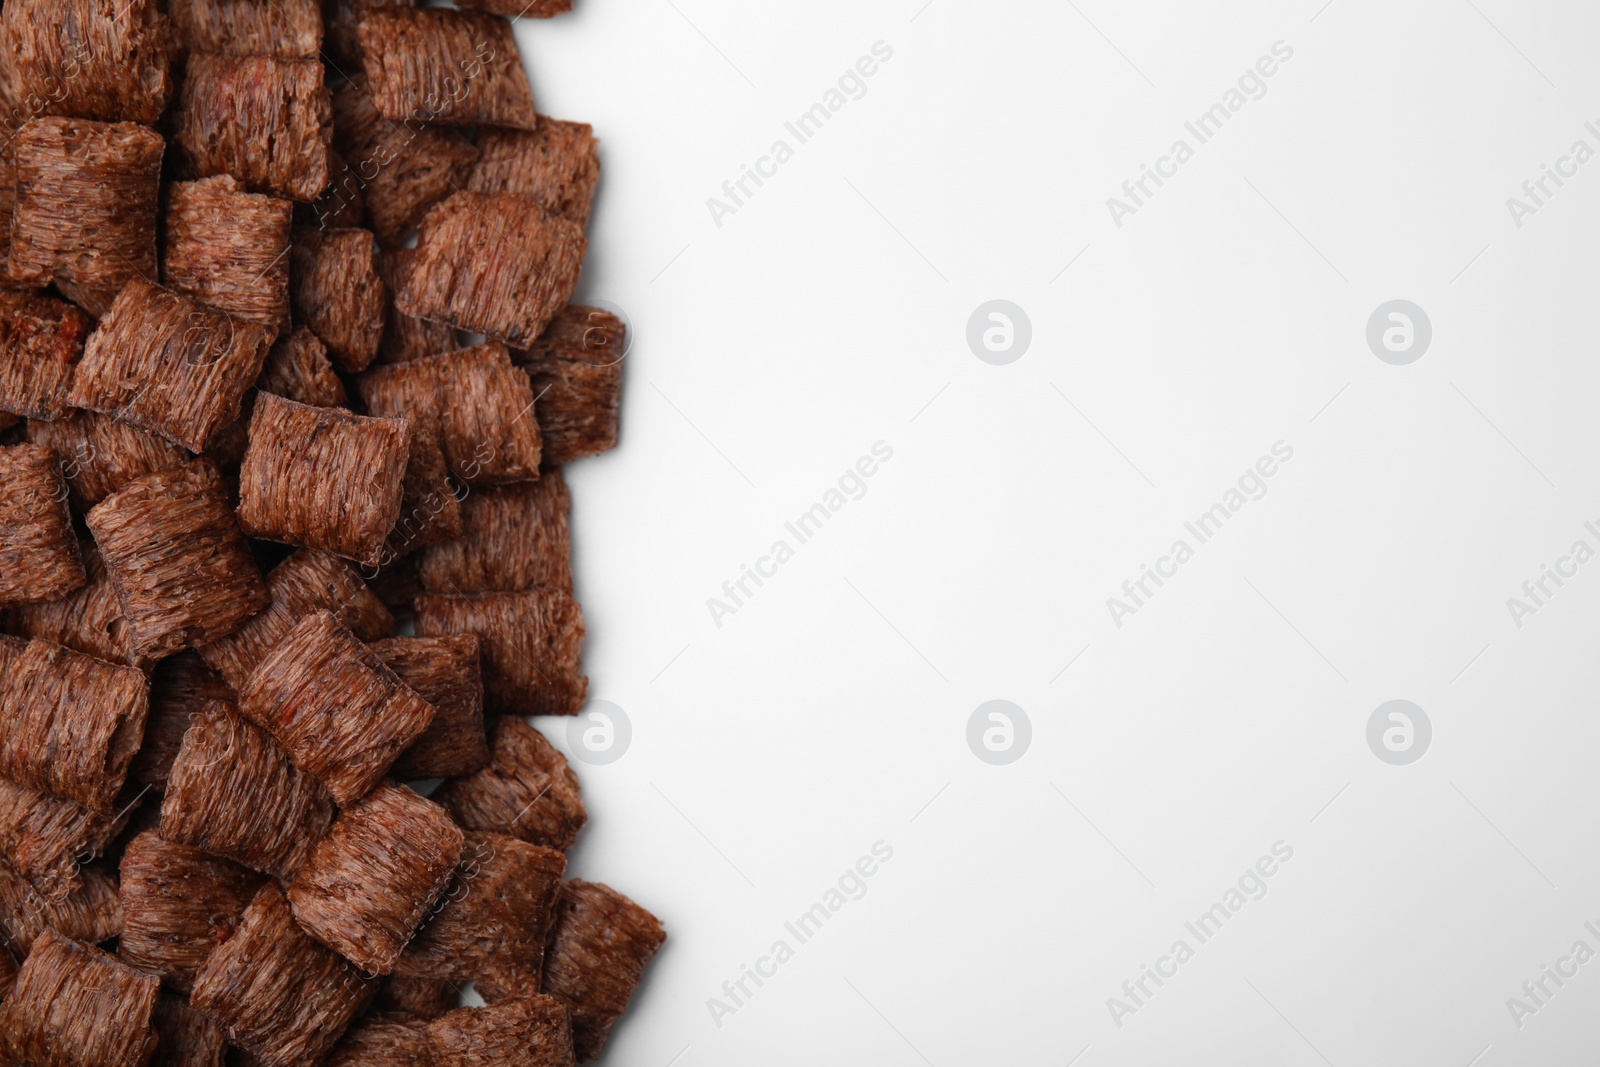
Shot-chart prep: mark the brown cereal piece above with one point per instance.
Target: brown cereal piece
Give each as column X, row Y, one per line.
column 76, row 1006
column 41, row 341
column 180, row 689
column 384, row 1041
column 600, row 942
column 527, row 791
column 90, row 59
column 39, row 558
column 88, row 620
column 8, row 185
column 91, row 913
column 323, row 477
column 72, row 724
column 289, row 29
column 444, row 671
column 370, row 883
column 276, row 991
column 228, row 248
column 531, row 642
column 449, row 68
column 492, row 923
column 179, row 904
column 420, row 998
column 339, row 713
column 188, row 1036
column 170, row 364
column 532, row 1031
column 430, row 512
column 85, row 214
column 576, row 368
column 405, row 337
column 557, row 164
column 265, row 120
column 494, row 263
column 200, row 582
column 407, row 167
column 310, row 580
column 342, row 203
column 480, row 406
column 234, row 792
column 513, row 538
column 298, row 369
column 42, row 837
column 100, row 453
column 337, row 292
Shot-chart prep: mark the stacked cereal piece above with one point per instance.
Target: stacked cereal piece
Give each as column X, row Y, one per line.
column 289, row 365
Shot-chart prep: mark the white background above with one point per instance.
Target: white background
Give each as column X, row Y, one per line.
column 1229, row 313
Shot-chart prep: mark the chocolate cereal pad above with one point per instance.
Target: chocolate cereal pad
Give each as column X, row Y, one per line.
column 201, row 583
column 74, row 1004
column 334, row 707
column 445, row 68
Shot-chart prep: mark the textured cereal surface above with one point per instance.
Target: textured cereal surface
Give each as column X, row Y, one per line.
column 513, row 538
column 430, row 512
column 87, row 620
column 494, row 263
column 445, row 672
column 298, row 369
column 232, row 791
column 226, row 247
column 167, row 363
column 448, row 68
column 384, row 1041
column 576, row 368
column 528, row 1031
column 265, row 120
column 91, row 913
column 527, row 791
column 531, row 646
column 278, row 992
column 72, row 724
column 85, row 211
column 322, row 477
column 178, row 905
column 334, row 707
column 480, row 406
column 100, row 453
column 420, row 998
column 405, row 336
column 408, row 166
column 494, row 920
column 180, row 689
column 177, row 559
column 557, row 164
column 373, row 880
column 291, row 29
column 599, row 945
column 310, row 580
column 41, row 341
column 75, row 1005
column 39, row 555
column 337, row 292
column 188, row 1037
column 92, row 59
column 42, row 836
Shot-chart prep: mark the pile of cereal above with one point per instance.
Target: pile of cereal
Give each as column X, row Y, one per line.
column 288, row 370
